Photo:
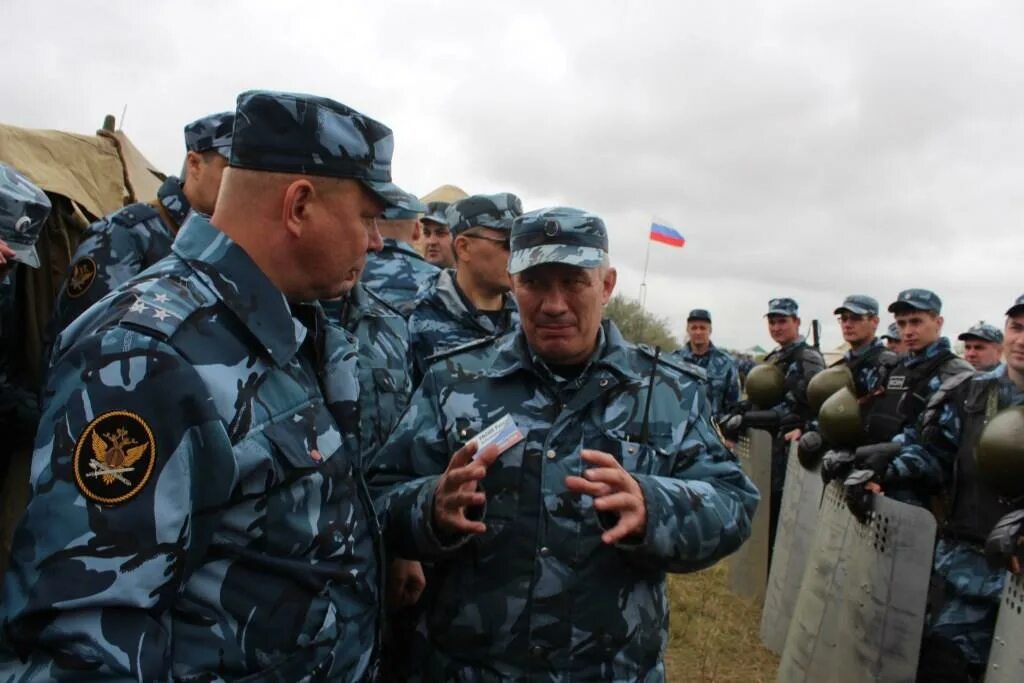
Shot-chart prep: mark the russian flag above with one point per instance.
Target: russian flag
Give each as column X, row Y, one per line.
column 666, row 235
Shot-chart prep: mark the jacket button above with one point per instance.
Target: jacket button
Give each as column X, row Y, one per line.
column 603, row 382
column 551, row 454
column 536, row 650
column 545, row 551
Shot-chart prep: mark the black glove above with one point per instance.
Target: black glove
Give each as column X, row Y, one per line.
column 1004, row 541
column 808, row 449
column 858, row 498
column 836, row 465
column 761, row 419
column 876, row 457
column 789, row 422
column 731, row 426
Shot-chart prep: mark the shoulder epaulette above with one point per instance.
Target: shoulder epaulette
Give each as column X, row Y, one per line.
column 162, row 304
column 476, row 344
column 383, row 303
column 133, row 214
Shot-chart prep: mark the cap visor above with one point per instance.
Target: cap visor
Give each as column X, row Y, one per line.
column 392, row 195
column 582, row 257
column 779, row 311
column 25, row 254
column 897, row 306
column 1015, row 310
column 856, row 310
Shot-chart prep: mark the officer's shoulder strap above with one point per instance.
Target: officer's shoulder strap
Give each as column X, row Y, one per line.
column 952, row 366
column 474, row 345
column 133, row 214
column 162, row 304
column 673, row 361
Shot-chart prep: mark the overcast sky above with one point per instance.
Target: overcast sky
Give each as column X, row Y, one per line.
column 806, row 149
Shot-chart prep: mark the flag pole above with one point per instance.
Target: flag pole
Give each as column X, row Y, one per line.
column 643, row 283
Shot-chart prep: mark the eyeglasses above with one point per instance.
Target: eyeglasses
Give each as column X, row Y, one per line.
column 506, row 243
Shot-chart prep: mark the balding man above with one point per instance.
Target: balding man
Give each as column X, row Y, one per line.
column 198, row 506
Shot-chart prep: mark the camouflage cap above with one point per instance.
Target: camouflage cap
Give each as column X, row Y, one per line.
column 859, row 304
column 436, row 213
column 783, row 306
column 23, row 210
column 558, row 235
column 1017, row 307
column 411, row 208
column 893, row 332
column 310, row 135
column 984, row 332
column 699, row 314
column 916, row 299
column 211, row 132
column 495, row 211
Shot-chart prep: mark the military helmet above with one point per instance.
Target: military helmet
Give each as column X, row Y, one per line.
column 765, row 386
column 1000, row 453
column 826, row 383
column 839, row 419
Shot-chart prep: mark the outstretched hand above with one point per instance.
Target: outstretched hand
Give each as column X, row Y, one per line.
column 457, row 490
column 614, row 491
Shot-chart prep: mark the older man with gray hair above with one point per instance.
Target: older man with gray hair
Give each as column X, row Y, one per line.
column 553, row 476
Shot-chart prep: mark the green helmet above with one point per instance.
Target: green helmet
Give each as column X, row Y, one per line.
column 839, row 420
column 765, row 385
column 1000, row 453
column 826, row 383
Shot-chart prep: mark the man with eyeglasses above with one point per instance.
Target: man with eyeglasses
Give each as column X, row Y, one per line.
column 471, row 302
column 437, row 236
column 397, row 271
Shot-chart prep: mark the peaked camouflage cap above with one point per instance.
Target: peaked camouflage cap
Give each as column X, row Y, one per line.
column 916, row 299
column 558, row 235
column 495, row 211
column 309, row 135
column 23, row 210
column 1017, row 306
column 411, row 208
column 436, row 213
column 984, row 332
column 783, row 306
column 859, row 304
column 211, row 132
column 893, row 332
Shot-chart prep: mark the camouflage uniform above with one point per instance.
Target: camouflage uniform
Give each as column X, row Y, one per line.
column 120, row 246
column 396, row 273
column 443, row 318
column 198, row 509
column 24, row 209
column 723, row 376
column 968, row 588
column 539, row 596
column 385, row 382
column 520, row 600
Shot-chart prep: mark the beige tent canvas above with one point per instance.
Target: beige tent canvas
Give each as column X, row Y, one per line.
column 445, row 193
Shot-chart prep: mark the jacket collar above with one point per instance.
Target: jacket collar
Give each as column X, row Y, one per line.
column 243, row 288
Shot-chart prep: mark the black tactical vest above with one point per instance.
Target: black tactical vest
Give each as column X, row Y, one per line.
column 975, row 507
column 904, row 398
column 796, row 384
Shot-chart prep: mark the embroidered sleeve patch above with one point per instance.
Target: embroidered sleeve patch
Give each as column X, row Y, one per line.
column 83, row 272
column 114, row 457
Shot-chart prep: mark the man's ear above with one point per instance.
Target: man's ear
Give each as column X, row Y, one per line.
column 610, row 278
column 296, row 206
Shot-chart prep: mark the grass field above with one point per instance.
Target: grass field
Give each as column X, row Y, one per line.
column 714, row 636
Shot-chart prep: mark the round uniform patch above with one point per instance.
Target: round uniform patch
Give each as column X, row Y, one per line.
column 114, row 457
column 83, row 272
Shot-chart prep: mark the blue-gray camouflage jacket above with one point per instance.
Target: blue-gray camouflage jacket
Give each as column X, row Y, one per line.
column 381, row 335
column 198, row 510
column 539, row 595
column 117, row 248
column 396, row 273
column 442, row 318
column 723, row 376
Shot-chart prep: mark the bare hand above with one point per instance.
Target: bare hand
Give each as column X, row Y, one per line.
column 614, row 490
column 793, row 435
column 874, row 487
column 457, row 490
column 6, row 258
column 405, row 583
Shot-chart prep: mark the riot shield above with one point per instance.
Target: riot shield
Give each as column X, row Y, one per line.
column 860, row 612
column 748, row 567
column 1006, row 660
column 798, row 519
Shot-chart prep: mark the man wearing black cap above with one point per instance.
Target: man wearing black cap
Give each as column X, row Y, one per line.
column 983, row 346
column 133, row 238
column 199, row 510
column 397, row 272
column 892, row 422
column 723, row 377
